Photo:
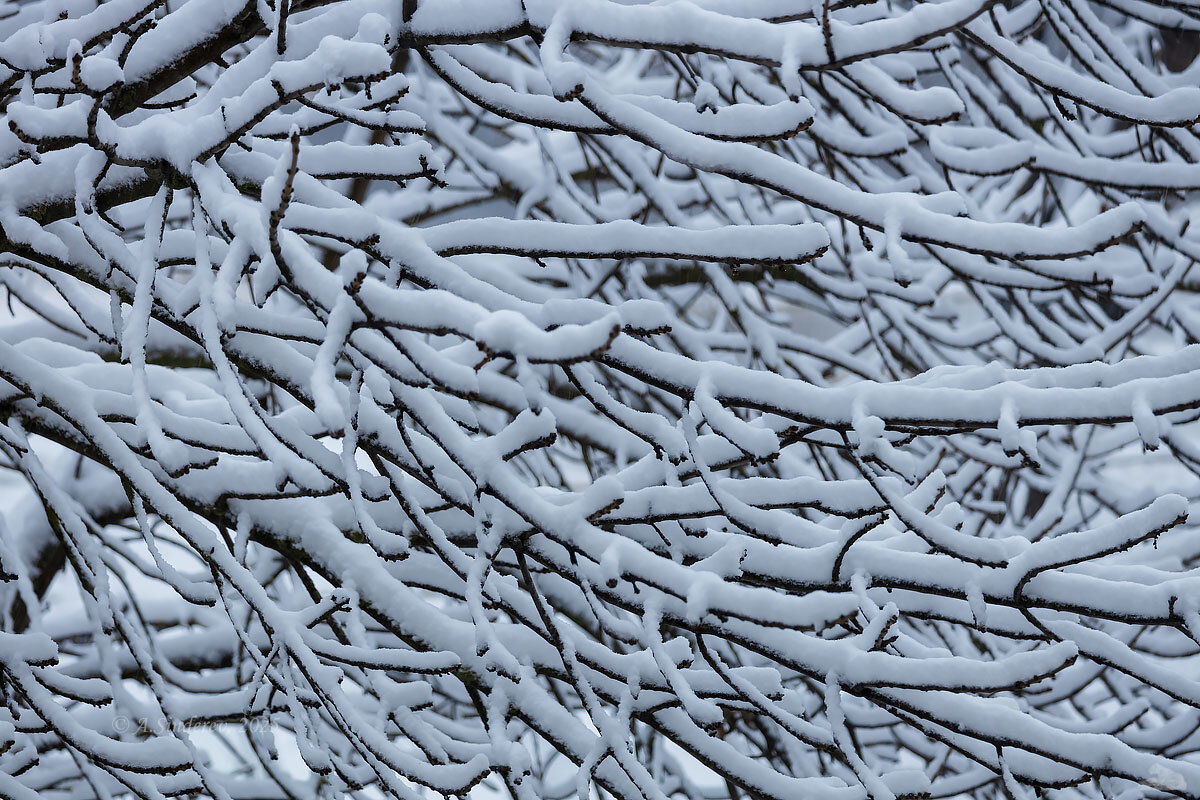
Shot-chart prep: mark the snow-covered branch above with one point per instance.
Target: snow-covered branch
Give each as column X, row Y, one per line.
column 704, row 400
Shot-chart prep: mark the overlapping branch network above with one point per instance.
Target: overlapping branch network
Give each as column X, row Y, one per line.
column 702, row 399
